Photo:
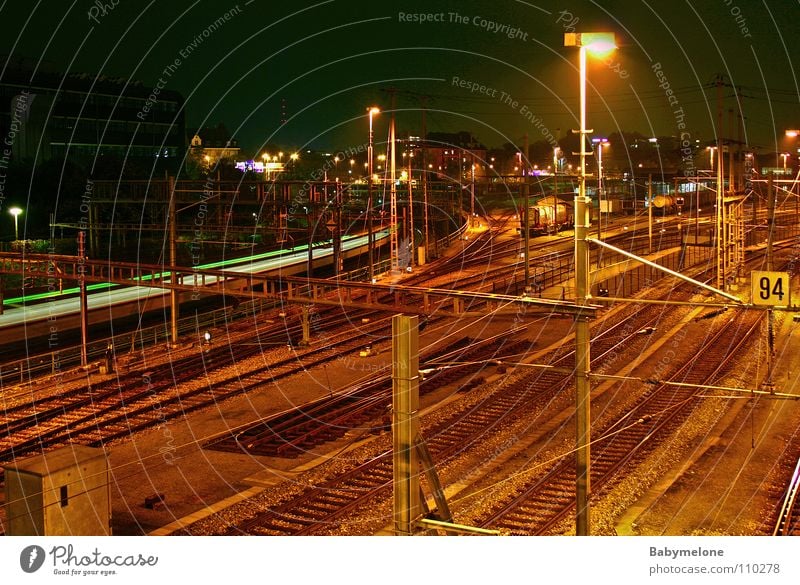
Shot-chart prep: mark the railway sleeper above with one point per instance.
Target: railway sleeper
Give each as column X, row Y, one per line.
column 334, row 498
column 315, row 509
column 283, row 525
column 366, row 483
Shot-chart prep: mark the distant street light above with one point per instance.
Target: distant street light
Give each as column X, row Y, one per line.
column 15, row 211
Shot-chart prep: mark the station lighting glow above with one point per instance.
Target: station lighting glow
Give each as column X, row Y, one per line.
column 15, row 211
column 598, row 44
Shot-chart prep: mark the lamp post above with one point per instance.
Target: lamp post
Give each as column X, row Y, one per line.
column 371, row 111
column 785, row 155
column 597, row 44
column 711, row 150
column 15, row 211
column 601, row 144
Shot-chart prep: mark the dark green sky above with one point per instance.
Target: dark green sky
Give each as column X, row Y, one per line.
column 330, row 59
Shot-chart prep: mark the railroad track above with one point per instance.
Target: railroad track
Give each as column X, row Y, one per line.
column 548, row 499
column 137, row 401
column 314, row 509
column 788, row 522
column 302, row 429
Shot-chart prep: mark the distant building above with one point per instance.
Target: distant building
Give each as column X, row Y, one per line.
column 453, row 154
column 49, row 114
column 210, row 145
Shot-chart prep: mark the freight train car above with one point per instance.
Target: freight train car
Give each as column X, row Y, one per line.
column 549, row 215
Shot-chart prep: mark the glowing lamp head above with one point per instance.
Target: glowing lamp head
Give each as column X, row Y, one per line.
column 15, row 211
column 372, row 110
column 598, row 44
column 793, row 133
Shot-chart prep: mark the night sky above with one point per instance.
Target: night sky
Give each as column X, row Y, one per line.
column 328, row 60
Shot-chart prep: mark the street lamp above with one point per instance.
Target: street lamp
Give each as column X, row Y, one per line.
column 598, row 44
column 711, row 150
column 785, row 155
column 371, row 111
column 15, row 211
column 601, row 144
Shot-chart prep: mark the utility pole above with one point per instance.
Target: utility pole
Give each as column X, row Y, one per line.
column 425, row 176
column 731, row 178
column 84, row 298
column 370, row 236
column 393, row 236
column 599, row 194
column 555, row 171
column 720, row 213
column 526, row 217
column 696, row 212
column 739, row 157
column 173, row 261
column 650, row 214
column 337, row 231
column 472, row 189
column 411, row 205
column 770, row 267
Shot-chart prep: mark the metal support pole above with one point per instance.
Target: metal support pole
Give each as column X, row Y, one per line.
column 310, row 235
column 424, row 167
column 306, row 326
column 84, row 298
column 696, row 212
column 666, row 270
column 731, row 178
column 405, row 423
column 770, row 266
column 599, row 195
column 411, row 209
column 555, row 173
column 720, row 220
column 582, row 353
column 649, row 214
column 338, row 264
column 173, row 261
column 442, row 507
column 370, row 235
column 472, row 192
column 526, row 231
column 394, row 247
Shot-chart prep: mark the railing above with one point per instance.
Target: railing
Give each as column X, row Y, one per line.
column 56, row 362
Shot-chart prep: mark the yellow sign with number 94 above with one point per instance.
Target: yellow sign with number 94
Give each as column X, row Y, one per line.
column 770, row 288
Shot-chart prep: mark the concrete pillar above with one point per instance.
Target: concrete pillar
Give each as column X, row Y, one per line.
column 405, row 423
